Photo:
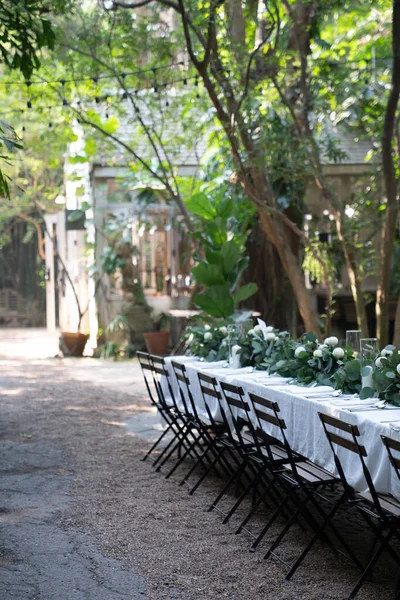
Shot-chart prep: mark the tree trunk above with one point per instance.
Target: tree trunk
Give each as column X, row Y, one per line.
column 274, row 298
column 389, row 172
column 396, row 340
column 276, row 232
column 355, row 283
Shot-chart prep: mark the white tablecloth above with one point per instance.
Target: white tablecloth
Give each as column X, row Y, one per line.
column 304, row 429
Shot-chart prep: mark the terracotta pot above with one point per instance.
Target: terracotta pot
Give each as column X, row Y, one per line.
column 74, row 342
column 157, row 342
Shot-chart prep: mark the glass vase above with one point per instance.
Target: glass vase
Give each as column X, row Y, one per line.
column 369, row 351
column 353, row 337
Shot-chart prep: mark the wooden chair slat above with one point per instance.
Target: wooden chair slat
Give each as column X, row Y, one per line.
column 229, row 387
column 334, row 422
column 210, row 392
column 393, row 444
column 181, row 377
column 345, row 443
column 160, row 370
column 270, row 418
column 207, row 378
column 237, row 403
column 147, row 366
column 264, row 402
column 178, row 366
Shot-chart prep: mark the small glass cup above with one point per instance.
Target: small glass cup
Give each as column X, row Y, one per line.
column 353, row 337
column 369, row 351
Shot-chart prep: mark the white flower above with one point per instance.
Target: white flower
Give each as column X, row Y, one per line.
column 331, row 341
column 208, row 335
column 190, row 338
column 378, row 362
column 207, row 328
column 317, row 353
column 270, row 337
column 251, row 332
column 269, row 329
column 257, row 330
column 223, row 330
column 298, row 350
column 338, row 352
column 322, row 346
column 386, row 352
column 398, row 368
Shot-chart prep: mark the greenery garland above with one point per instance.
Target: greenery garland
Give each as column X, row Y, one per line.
column 307, row 361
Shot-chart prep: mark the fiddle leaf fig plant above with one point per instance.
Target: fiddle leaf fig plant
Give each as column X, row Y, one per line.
column 220, row 269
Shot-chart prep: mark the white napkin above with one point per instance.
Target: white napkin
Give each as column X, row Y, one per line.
column 353, row 401
column 308, row 391
column 209, row 365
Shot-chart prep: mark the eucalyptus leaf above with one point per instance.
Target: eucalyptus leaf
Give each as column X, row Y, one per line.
column 367, row 392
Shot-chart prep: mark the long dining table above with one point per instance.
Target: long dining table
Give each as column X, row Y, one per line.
column 299, row 407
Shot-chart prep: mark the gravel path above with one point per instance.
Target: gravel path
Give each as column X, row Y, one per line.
column 82, row 518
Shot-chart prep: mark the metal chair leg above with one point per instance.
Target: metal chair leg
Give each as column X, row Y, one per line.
column 370, row 566
column 154, row 446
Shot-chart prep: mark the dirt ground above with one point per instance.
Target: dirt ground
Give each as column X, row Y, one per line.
column 83, row 518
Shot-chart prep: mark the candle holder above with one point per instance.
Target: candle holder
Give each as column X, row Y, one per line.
column 353, row 337
column 369, row 351
column 232, row 337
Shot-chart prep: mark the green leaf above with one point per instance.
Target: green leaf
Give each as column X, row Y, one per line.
column 200, row 205
column 216, row 301
column 90, row 147
column 208, row 274
column 366, row 392
column 214, row 257
column 75, row 215
column 310, row 336
column 353, row 365
column 244, row 292
column 390, row 375
column 365, row 371
column 111, row 125
column 230, row 253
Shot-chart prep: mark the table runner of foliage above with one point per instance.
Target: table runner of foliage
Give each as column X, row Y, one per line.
column 306, row 361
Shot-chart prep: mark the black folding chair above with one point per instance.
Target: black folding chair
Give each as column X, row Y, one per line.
column 216, row 433
column 268, row 455
column 381, row 512
column 152, row 368
column 198, row 432
column 236, row 413
column 302, row 483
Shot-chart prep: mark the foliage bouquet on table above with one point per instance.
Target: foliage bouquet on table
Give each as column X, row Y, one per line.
column 312, row 363
column 208, row 341
column 262, row 346
column 386, row 376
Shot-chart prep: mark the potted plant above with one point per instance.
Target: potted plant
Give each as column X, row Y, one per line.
column 157, row 341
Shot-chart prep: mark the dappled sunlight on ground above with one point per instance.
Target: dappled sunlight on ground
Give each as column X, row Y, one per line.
column 115, row 423
column 11, row 392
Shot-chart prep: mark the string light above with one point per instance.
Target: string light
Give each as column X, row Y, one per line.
column 28, row 84
column 99, row 98
column 75, row 105
column 95, row 79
